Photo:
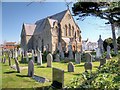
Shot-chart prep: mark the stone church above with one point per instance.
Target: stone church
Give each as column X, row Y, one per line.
column 52, row 32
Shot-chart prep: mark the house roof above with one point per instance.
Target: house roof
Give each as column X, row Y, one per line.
column 29, row 28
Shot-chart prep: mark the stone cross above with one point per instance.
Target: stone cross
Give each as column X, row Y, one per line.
column 31, row 68
column 17, row 65
column 70, row 67
column 39, row 57
column 77, row 58
column 57, row 58
column 100, row 44
column 49, row 60
column 57, row 78
column 108, row 56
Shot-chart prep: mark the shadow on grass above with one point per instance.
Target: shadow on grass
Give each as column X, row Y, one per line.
column 96, row 66
column 22, row 75
column 10, row 72
column 41, row 66
column 79, row 65
column 77, row 74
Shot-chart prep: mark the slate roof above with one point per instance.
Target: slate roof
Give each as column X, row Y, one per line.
column 40, row 24
column 29, row 28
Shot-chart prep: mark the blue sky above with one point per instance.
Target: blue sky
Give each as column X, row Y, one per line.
column 15, row 14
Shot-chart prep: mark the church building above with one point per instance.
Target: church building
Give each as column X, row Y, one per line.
column 52, row 32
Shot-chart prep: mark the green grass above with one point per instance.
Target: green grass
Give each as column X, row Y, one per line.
column 12, row 79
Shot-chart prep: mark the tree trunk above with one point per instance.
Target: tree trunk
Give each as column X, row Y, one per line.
column 114, row 39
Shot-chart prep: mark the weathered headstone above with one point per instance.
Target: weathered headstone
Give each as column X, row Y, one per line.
column 57, row 58
column 31, row 68
column 108, row 56
column 98, row 54
column 22, row 58
column 77, row 58
column 16, row 54
column 49, row 60
column 70, row 67
column 88, row 66
column 62, row 55
column 17, row 65
column 4, row 59
column 27, row 57
column 39, row 57
column 9, row 60
column 70, row 52
column 88, row 57
column 33, row 57
column 57, row 78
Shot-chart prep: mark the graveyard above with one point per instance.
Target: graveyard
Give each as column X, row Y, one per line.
column 12, row 79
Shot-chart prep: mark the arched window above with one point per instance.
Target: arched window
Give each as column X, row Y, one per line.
column 69, row 30
column 72, row 30
column 78, row 32
column 66, row 30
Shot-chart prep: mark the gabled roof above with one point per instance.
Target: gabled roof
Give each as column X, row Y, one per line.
column 29, row 28
column 58, row 16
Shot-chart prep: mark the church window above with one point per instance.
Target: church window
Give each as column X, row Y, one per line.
column 69, row 30
column 66, row 30
column 72, row 30
column 77, row 32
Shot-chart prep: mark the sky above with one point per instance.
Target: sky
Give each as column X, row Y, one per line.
column 14, row 14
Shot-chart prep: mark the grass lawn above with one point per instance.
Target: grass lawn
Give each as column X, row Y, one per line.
column 12, row 79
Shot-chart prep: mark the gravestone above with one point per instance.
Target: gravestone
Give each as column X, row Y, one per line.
column 16, row 54
column 39, row 57
column 70, row 67
column 100, row 44
column 4, row 59
column 22, row 58
column 102, row 62
column 77, row 58
column 33, row 57
column 88, row 57
column 70, row 52
column 9, row 60
column 27, row 57
column 98, row 54
column 57, row 78
column 62, row 55
column 31, row 68
column 88, row 66
column 17, row 65
column 108, row 56
column 57, row 58
column 49, row 60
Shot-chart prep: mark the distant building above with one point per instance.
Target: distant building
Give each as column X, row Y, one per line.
column 9, row 45
column 88, row 45
column 48, row 33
